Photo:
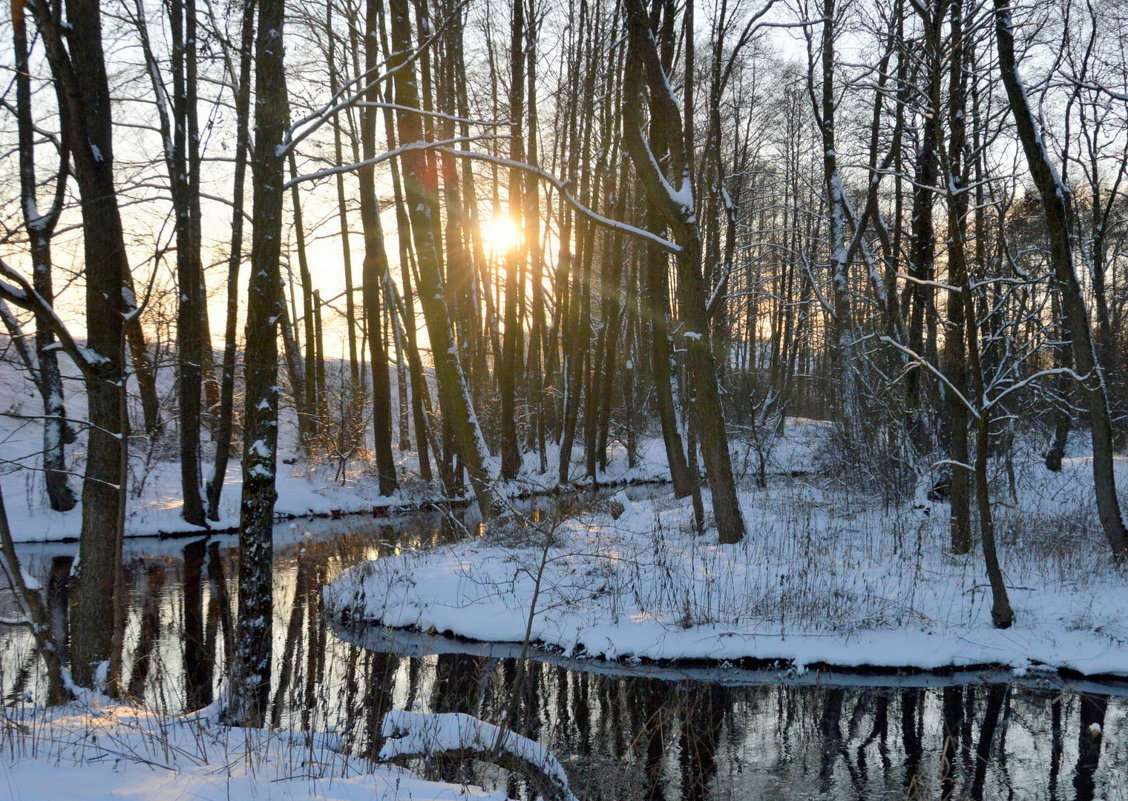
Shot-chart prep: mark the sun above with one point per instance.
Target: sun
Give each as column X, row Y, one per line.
column 500, row 234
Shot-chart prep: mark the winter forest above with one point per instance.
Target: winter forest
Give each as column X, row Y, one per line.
column 563, row 399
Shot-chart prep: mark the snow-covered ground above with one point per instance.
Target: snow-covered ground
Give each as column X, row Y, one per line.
column 826, row 576
column 93, row 750
column 304, row 490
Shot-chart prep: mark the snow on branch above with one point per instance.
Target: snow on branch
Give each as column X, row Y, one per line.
column 1097, row 87
column 352, row 91
column 423, row 734
column 438, row 115
column 386, row 156
column 918, row 360
column 563, row 188
column 21, row 293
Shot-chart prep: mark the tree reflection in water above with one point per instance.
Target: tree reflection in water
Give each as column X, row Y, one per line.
column 620, row 737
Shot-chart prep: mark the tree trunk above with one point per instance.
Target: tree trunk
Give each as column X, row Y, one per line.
column 56, row 432
column 419, row 391
column 421, row 194
column 374, row 274
column 961, row 331
column 225, row 423
column 514, row 259
column 191, row 299
column 844, row 349
column 958, row 201
column 250, row 686
column 679, row 213
column 78, row 65
column 1054, row 194
column 309, row 421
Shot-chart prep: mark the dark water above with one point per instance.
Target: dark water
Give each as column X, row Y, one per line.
column 631, row 734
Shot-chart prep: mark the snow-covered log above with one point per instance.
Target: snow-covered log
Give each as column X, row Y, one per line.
column 423, row 734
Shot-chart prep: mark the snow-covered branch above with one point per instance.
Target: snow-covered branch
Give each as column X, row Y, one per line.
column 917, row 359
column 21, row 293
column 386, row 156
column 563, row 188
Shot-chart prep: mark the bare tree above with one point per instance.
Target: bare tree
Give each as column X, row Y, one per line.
column 672, row 193
column 1054, row 194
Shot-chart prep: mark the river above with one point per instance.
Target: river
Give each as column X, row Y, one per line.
column 622, row 732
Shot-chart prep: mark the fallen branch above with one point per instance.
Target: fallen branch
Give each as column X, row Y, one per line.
column 425, row 735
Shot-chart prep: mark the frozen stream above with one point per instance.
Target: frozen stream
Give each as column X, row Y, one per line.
column 630, row 732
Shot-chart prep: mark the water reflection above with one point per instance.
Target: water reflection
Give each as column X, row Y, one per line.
column 657, row 736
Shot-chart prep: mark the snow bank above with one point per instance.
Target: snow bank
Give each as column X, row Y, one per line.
column 825, row 577
column 94, row 752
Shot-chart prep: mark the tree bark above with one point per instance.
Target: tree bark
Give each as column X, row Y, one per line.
column 844, row 349
column 514, row 261
column 184, row 176
column 250, row 686
column 40, row 227
column 78, row 65
column 679, row 215
column 375, row 273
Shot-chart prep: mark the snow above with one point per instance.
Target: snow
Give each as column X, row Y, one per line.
column 93, row 749
column 426, row 733
column 827, row 574
column 825, row 577
column 304, row 490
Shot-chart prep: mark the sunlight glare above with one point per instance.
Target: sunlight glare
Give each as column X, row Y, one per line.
column 500, row 234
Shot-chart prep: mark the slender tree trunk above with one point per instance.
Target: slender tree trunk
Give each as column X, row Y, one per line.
column 250, row 686
column 958, row 338
column 421, row 194
column 191, row 300
column 40, row 227
column 657, row 304
column 537, row 336
column 958, row 202
column 419, row 391
column 844, row 349
column 225, row 423
column 1062, row 412
column 514, row 260
column 342, row 212
column 309, row 423
column 375, row 273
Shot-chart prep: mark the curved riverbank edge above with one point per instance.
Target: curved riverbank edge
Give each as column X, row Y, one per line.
column 824, row 580
column 749, row 671
column 382, row 508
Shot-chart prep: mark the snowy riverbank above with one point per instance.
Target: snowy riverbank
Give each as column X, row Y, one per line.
column 825, row 577
column 92, row 750
column 303, row 491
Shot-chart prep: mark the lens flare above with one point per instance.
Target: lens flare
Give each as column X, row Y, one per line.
column 500, row 234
